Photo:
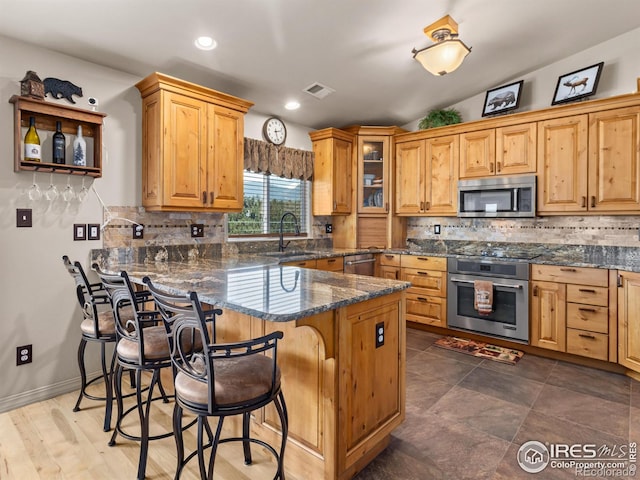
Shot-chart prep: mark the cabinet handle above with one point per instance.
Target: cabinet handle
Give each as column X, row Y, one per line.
column 335, row 205
column 331, row 260
column 586, row 290
column 584, row 202
column 491, row 167
column 619, row 283
column 535, row 291
column 499, row 167
column 593, row 201
column 421, row 206
column 211, row 198
column 423, row 273
column 390, row 257
column 585, row 335
column 422, row 259
column 204, row 198
column 590, row 310
column 421, row 299
column 568, row 270
column 427, row 205
column 386, row 207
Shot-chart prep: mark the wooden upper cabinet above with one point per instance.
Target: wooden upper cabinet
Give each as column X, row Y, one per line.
column 477, row 153
column 373, row 173
column 562, row 164
column 516, row 149
column 410, row 177
column 508, row 150
column 192, row 146
column 614, row 160
column 427, row 176
column 332, row 172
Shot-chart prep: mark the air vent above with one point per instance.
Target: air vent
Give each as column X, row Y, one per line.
column 318, row 90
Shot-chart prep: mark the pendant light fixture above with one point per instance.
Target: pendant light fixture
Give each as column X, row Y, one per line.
column 447, row 53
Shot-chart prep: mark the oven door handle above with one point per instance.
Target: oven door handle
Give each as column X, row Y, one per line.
column 358, row 262
column 517, row 287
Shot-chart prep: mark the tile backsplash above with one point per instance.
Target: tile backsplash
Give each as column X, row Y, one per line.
column 576, row 230
column 173, row 228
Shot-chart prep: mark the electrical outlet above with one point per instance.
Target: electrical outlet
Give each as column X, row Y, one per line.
column 23, row 217
column 138, row 231
column 328, row 228
column 24, row 354
column 379, row 334
column 197, row 230
column 436, row 229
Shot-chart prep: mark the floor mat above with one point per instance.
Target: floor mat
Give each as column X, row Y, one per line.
column 480, row 349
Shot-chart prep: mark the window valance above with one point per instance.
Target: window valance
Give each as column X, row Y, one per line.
column 263, row 157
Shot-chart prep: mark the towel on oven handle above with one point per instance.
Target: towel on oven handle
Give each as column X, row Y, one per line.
column 483, row 296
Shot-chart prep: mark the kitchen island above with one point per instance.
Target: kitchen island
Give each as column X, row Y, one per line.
column 342, row 356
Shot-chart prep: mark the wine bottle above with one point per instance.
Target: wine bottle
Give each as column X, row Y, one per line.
column 32, row 152
column 59, row 145
column 80, row 149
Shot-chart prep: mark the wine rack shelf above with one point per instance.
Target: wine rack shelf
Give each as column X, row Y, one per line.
column 46, row 115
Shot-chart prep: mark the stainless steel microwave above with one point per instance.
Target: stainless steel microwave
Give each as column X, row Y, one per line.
column 497, row 197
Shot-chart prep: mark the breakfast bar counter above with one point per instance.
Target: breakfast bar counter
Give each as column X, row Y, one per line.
column 342, row 357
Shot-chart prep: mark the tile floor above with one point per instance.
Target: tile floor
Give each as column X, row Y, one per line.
column 467, row 417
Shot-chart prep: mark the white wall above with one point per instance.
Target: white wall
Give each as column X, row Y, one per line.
column 619, row 76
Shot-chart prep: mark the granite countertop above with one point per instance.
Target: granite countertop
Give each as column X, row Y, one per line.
column 259, row 287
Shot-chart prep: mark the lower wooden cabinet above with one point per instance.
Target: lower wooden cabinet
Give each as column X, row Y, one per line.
column 573, row 310
column 333, row 264
column 629, row 320
column 427, row 297
column 388, row 266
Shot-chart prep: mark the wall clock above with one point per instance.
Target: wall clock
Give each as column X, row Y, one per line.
column 274, row 131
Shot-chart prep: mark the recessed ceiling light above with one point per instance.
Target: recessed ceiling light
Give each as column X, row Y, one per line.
column 292, row 105
column 205, row 43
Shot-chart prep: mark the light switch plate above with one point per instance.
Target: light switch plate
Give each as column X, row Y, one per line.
column 23, row 217
column 436, row 229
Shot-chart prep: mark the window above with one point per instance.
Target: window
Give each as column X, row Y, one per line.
column 266, row 199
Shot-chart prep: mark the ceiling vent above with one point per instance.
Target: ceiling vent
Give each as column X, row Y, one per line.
column 318, row 90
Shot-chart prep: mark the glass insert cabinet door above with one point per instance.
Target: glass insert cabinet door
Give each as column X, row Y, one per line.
column 373, row 177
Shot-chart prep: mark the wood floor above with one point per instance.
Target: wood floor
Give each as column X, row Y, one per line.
column 47, row 440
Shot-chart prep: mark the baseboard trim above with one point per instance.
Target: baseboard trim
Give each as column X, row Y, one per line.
column 42, row 393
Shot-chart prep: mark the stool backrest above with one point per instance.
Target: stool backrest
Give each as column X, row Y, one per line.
column 128, row 312
column 89, row 295
column 184, row 314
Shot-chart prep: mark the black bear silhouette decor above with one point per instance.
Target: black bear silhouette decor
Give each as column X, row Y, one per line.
column 61, row 89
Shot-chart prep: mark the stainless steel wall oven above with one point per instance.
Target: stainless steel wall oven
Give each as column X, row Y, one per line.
column 509, row 317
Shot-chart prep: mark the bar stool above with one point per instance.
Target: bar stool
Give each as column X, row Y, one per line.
column 97, row 326
column 142, row 347
column 223, row 380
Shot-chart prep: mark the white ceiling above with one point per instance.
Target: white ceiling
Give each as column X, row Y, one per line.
column 270, row 50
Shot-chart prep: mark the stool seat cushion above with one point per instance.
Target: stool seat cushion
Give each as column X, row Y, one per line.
column 238, row 381
column 106, row 324
column 156, row 345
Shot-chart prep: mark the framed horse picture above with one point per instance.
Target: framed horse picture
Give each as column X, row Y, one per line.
column 577, row 85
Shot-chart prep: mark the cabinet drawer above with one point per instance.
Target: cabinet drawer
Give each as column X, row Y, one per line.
column 429, row 263
column 588, row 317
column 390, row 259
column 334, row 264
column 584, row 276
column 302, row 264
column 426, row 282
column 588, row 294
column 588, row 344
column 391, row 273
column 426, row 309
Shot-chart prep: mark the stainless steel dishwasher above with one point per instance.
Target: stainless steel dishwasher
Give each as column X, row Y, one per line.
column 362, row 264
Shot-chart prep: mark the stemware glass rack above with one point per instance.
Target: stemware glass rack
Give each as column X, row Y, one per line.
column 46, row 115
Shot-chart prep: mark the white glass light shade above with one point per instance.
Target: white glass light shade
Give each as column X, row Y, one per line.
column 443, row 57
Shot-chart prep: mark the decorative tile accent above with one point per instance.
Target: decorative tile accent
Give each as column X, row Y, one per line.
column 577, row 230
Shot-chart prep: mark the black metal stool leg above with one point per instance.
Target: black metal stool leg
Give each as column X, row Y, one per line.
column 177, row 431
column 117, row 379
column 246, row 444
column 83, row 372
column 108, row 385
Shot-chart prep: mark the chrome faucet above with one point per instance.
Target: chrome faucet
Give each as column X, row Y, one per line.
column 281, row 244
